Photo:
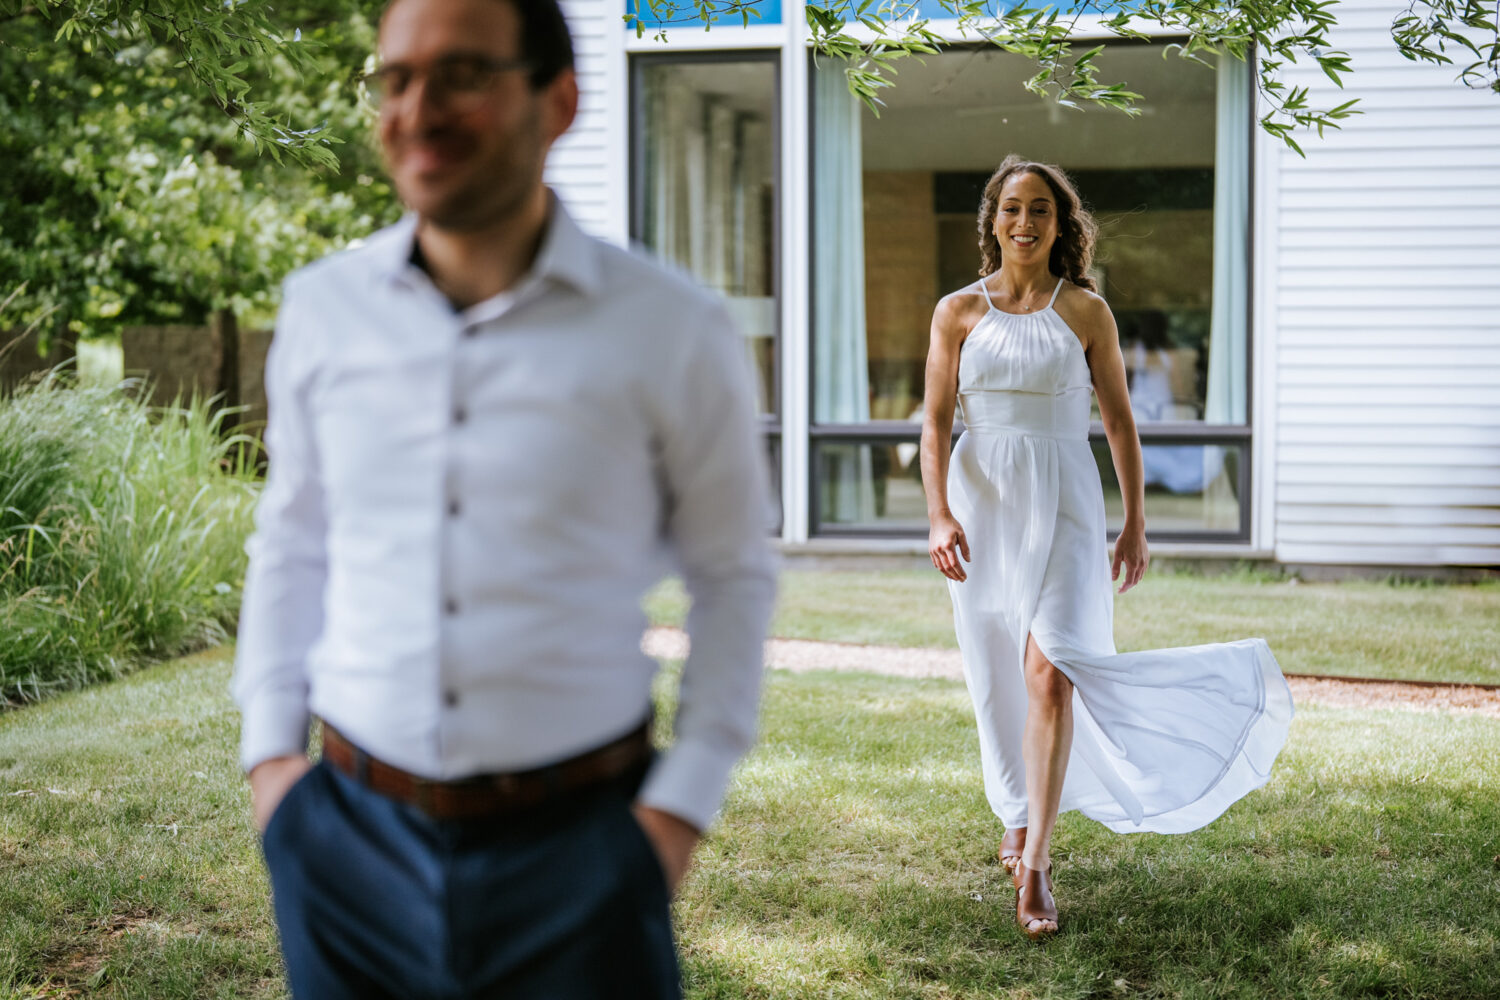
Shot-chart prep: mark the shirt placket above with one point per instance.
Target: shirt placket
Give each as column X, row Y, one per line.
column 454, row 569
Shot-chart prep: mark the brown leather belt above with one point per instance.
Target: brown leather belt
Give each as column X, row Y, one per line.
column 489, row 794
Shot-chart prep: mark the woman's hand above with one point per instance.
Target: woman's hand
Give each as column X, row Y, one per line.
column 944, row 543
column 1130, row 549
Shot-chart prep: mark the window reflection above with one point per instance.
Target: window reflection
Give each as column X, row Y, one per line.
column 1189, row 488
column 875, row 484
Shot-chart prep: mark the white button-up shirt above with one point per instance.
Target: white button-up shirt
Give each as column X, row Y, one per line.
column 464, row 509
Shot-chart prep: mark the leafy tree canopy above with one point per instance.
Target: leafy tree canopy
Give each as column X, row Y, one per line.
column 138, row 186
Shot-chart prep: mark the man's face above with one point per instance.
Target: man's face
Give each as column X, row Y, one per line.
column 464, row 134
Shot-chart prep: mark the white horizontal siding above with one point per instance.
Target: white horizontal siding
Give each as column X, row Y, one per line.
column 1483, row 375
column 1336, row 456
column 1391, row 434
column 1394, row 220
column 1385, row 312
column 1407, row 515
column 1416, row 392
column 1395, row 335
column 1353, row 161
column 1414, row 243
column 1297, row 261
column 583, row 167
column 1381, row 554
column 1467, row 180
column 1396, row 499
column 1383, row 532
column 1407, row 353
column 1386, row 474
column 1396, row 196
column 1343, row 415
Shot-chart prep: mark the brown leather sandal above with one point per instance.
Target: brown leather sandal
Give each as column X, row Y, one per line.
column 1034, row 902
column 1011, row 846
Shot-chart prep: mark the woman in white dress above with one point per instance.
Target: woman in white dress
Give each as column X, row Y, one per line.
column 1162, row 740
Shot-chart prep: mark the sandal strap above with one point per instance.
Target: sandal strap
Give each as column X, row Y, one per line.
column 1034, row 899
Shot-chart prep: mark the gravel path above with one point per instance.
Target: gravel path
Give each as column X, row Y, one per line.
column 804, row 654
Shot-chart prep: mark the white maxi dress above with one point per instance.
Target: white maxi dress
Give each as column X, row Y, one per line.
column 1164, row 740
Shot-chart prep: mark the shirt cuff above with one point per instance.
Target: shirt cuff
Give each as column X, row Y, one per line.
column 273, row 723
column 689, row 781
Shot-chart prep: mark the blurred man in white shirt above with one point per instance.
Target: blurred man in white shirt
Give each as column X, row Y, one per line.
column 489, row 434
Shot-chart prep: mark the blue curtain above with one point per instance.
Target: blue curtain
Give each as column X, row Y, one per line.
column 1226, row 350
column 841, row 391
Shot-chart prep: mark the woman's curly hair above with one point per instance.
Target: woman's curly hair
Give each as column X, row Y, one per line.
column 1073, row 253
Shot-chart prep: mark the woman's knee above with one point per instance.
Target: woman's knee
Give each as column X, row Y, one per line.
column 1048, row 686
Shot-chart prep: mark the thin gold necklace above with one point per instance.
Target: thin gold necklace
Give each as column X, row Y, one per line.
column 1024, row 307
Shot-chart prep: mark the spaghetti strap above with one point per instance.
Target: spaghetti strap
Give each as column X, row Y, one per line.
column 1055, row 291
column 988, row 299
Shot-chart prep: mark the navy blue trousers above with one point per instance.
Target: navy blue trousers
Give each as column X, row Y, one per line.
column 376, row 900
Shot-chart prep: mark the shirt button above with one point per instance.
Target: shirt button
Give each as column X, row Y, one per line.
column 460, row 414
column 450, row 698
column 451, row 606
column 471, row 332
column 453, row 508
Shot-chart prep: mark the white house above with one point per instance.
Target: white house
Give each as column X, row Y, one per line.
column 1314, row 344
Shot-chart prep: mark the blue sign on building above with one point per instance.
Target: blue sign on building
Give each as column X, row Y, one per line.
column 761, row 12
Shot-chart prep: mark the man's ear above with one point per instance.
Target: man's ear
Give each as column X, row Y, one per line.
column 560, row 104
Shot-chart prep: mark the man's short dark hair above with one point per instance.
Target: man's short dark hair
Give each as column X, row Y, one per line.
column 545, row 40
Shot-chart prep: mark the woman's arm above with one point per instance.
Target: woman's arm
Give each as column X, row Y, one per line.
column 1107, row 367
column 945, row 539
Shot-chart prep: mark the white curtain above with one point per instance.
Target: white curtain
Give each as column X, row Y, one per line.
column 840, row 364
column 706, row 162
column 709, row 164
column 1227, row 333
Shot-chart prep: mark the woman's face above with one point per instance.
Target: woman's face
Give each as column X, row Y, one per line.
column 1026, row 222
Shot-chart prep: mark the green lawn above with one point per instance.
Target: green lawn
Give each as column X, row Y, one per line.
column 854, row 860
column 1353, row 629
column 129, row 866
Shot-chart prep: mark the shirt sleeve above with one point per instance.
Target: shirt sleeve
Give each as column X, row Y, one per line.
column 718, row 524
column 282, row 612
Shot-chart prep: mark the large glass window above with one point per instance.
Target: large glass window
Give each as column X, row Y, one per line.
column 895, row 205
column 868, row 486
column 1191, row 489
column 705, row 166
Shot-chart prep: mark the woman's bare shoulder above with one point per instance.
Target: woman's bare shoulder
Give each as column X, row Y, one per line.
column 957, row 312
column 1086, row 312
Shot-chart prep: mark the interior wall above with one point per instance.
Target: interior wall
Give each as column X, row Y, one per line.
column 900, row 283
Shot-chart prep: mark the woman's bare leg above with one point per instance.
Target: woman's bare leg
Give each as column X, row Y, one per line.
column 1048, row 740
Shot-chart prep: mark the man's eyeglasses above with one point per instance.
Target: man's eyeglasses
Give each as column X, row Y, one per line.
column 452, row 78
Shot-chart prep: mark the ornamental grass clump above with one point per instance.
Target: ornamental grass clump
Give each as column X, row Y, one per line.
column 122, row 533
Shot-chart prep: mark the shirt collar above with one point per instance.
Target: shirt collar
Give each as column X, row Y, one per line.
column 567, row 254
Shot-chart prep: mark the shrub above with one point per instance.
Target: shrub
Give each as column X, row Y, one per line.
column 122, row 533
